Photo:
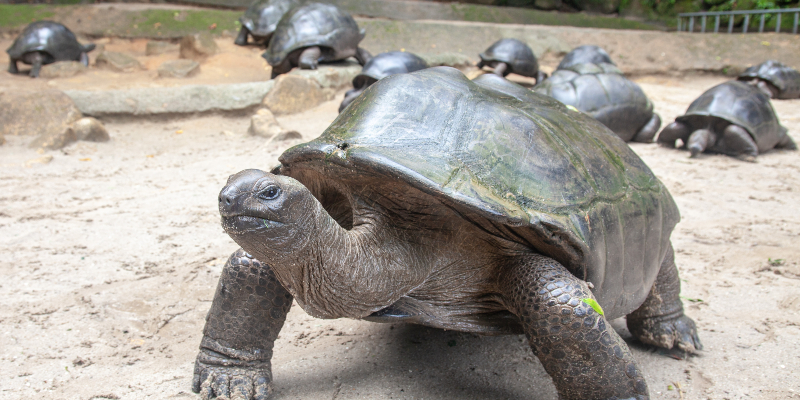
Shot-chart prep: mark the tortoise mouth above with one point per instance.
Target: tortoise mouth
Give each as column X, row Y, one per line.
column 241, row 224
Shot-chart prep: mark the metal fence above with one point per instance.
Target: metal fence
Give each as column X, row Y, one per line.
column 731, row 15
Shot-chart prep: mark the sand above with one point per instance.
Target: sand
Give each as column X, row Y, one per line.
column 110, row 254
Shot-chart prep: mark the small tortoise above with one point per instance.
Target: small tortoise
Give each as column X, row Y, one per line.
column 311, row 34
column 588, row 54
column 261, row 18
column 379, row 67
column 511, row 55
column 466, row 206
column 732, row 118
column 776, row 80
column 45, row 42
column 601, row 91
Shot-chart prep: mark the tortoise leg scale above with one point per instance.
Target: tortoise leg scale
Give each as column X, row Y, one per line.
column 576, row 345
column 248, row 311
column 660, row 321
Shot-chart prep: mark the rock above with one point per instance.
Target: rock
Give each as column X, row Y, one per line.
column 117, row 62
column 450, row 59
column 178, row 68
column 62, row 69
column 48, row 112
column 292, row 94
column 156, row 47
column 90, row 129
column 45, row 159
column 264, row 124
column 2, row 140
column 54, row 140
column 198, row 47
column 336, row 76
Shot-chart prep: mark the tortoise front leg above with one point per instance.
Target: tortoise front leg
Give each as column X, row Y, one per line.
column 672, row 132
column 248, row 311
column 660, row 320
column 309, row 58
column 36, row 64
column 362, row 56
column 541, row 76
column 241, row 39
column 12, row 66
column 501, row 69
column 576, row 345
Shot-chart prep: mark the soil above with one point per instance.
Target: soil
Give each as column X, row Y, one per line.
column 110, row 254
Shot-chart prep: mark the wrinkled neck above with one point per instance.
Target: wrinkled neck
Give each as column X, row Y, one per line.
column 349, row 273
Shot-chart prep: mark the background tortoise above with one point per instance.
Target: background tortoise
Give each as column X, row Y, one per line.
column 588, row 54
column 511, row 55
column 45, row 42
column 314, row 33
column 776, row 80
column 261, row 18
column 379, row 67
column 601, row 91
column 446, row 203
column 732, row 118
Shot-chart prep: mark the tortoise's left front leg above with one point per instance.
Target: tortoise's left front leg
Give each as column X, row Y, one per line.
column 576, row 345
column 247, row 313
column 660, row 320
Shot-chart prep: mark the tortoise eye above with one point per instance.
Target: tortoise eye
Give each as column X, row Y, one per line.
column 270, row 193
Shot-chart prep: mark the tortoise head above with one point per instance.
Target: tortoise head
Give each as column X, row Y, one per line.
column 268, row 215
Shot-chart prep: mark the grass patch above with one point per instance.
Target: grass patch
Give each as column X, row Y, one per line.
column 16, row 16
column 172, row 23
column 474, row 13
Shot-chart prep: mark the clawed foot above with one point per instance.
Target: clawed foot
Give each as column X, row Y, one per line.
column 667, row 333
column 220, row 377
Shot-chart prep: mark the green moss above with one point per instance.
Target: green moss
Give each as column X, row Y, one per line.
column 15, row 16
column 171, row 23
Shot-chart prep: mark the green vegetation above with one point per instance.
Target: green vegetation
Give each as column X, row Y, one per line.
column 14, row 16
column 171, row 23
column 469, row 12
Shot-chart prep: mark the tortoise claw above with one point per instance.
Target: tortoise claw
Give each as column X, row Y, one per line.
column 679, row 332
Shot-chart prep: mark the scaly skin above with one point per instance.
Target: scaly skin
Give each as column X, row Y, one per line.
column 248, row 311
column 576, row 345
column 660, row 321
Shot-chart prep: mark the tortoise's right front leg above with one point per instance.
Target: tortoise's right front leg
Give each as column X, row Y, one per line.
column 576, row 345
column 12, row 66
column 248, row 311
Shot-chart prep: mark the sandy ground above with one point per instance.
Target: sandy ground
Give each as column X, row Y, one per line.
column 110, row 254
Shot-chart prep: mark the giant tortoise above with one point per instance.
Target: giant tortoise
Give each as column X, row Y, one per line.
column 45, row 42
column 588, row 54
column 601, row 91
column 732, row 118
column 261, row 18
column 511, row 55
column 314, row 33
column 452, row 204
column 776, row 80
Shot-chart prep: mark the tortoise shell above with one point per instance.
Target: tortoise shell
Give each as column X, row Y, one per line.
column 589, row 54
column 262, row 16
column 783, row 77
column 602, row 92
column 516, row 54
column 385, row 64
column 51, row 38
column 315, row 24
column 520, row 165
column 738, row 103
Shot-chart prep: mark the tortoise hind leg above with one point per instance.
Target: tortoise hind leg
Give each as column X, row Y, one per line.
column 738, row 143
column 660, row 320
column 787, row 143
column 576, row 345
column 248, row 311
column 648, row 131
column 12, row 66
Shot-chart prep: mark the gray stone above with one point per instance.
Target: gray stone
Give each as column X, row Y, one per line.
column 331, row 76
column 264, row 124
column 170, row 100
column 292, row 94
column 156, row 47
column 117, row 62
column 90, row 129
column 450, row 59
column 54, row 140
column 29, row 113
column 178, row 69
column 287, row 135
column 2, row 140
column 62, row 69
column 198, row 47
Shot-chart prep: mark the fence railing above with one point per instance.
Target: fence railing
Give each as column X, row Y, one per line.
column 690, row 17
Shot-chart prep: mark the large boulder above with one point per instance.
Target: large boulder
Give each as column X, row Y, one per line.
column 36, row 113
column 62, row 69
column 264, row 124
column 156, row 47
column 292, row 94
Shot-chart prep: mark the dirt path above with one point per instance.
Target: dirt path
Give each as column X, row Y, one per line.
column 110, row 253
